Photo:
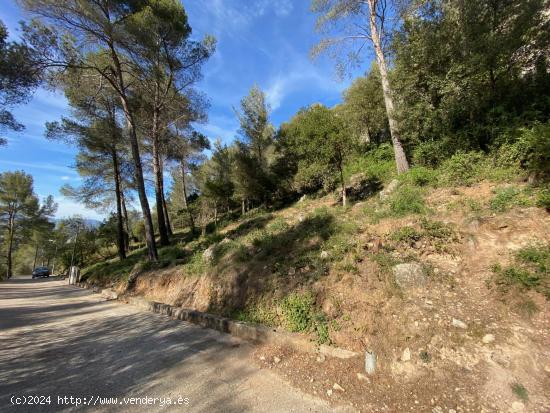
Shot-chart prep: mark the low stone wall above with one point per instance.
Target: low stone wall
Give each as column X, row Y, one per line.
column 245, row 331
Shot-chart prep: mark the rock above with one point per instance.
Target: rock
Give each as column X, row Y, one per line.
column 388, row 190
column 291, row 271
column 406, row 356
column 437, row 409
column 517, row 407
column 321, row 358
column 224, row 241
column 329, row 392
column 370, row 362
column 276, row 360
column 208, row 254
column 362, row 377
column 262, row 358
column 303, row 198
column 336, row 386
column 488, row 338
column 301, row 218
column 361, row 186
column 336, row 352
column 409, row 275
column 459, row 323
column 324, row 255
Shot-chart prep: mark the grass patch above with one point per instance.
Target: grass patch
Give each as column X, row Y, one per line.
column 300, row 315
column 406, row 234
column 520, row 391
column 407, row 200
column 530, row 270
column 507, row 198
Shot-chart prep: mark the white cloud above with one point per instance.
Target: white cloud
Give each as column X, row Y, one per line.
column 39, row 165
column 65, row 178
column 67, row 208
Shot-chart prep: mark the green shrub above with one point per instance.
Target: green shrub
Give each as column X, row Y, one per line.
column 436, row 229
column 536, row 149
column 463, row 168
column 406, row 234
column 258, row 314
column 407, row 200
column 520, row 391
column 419, row 176
column 430, row 153
column 506, row 198
column 543, row 199
column 297, row 311
column 378, row 163
column 530, row 271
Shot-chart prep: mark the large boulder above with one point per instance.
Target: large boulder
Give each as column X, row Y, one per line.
column 409, row 275
column 389, row 189
column 208, row 254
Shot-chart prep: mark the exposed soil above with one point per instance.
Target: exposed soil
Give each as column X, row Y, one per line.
column 468, row 368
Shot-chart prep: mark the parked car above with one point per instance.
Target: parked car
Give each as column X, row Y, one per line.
column 40, row 272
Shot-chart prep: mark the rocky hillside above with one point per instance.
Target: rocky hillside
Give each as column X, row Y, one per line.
column 449, row 287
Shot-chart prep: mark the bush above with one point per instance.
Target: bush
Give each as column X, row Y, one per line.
column 406, row 234
column 531, row 270
column 543, row 199
column 297, row 312
column 419, row 176
column 407, row 200
column 463, row 168
column 377, row 164
column 506, row 198
column 431, row 153
column 535, row 143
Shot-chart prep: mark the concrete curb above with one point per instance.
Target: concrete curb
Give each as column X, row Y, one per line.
column 249, row 332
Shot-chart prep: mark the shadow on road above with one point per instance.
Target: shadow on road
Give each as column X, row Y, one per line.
column 57, row 341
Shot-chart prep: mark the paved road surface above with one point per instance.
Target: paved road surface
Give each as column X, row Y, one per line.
column 58, row 340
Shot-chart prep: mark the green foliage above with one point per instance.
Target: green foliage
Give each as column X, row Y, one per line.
column 531, row 270
column 299, row 315
column 405, row 234
column 377, row 163
column 18, row 77
column 506, row 198
column 520, row 391
column 258, row 314
column 543, row 199
column 436, row 229
column 297, row 311
column 317, row 138
column 407, row 200
column 419, row 176
column 463, row 168
column 535, row 142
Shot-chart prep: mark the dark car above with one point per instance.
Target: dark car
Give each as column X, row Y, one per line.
column 41, row 272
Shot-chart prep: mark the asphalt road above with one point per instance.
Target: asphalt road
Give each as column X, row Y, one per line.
column 57, row 341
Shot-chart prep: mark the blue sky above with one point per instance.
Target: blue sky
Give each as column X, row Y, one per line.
column 259, row 41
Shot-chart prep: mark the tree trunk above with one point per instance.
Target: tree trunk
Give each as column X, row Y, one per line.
column 120, row 224
column 126, row 221
column 216, row 216
column 167, row 216
column 11, row 229
column 185, row 204
column 164, row 206
column 35, row 257
column 157, row 171
column 400, row 157
column 152, row 253
column 243, row 210
column 344, row 200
